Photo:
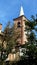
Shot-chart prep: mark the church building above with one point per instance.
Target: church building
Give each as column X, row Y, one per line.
column 19, row 23
column 20, row 26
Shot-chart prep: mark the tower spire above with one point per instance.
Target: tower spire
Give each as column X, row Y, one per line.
column 21, row 11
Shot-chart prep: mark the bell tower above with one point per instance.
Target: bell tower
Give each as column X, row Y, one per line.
column 19, row 23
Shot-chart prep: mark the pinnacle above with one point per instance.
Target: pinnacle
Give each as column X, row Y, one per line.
column 21, row 11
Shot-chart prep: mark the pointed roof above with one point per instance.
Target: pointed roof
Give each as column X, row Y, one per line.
column 21, row 11
column 21, row 14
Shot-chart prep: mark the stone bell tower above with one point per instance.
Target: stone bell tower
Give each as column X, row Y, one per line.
column 19, row 23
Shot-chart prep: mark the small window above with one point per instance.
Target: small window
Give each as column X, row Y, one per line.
column 18, row 25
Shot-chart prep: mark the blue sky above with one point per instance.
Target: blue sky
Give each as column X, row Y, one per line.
column 10, row 9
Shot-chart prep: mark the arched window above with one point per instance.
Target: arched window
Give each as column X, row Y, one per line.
column 18, row 24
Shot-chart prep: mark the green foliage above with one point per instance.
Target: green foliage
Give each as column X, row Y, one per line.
column 11, row 37
column 30, row 55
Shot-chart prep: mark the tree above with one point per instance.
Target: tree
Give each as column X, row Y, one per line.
column 31, row 45
column 11, row 36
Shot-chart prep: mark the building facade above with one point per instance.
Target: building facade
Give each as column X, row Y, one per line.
column 19, row 23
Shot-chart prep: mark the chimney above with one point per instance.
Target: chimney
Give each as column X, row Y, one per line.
column 0, row 28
